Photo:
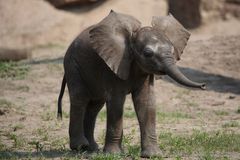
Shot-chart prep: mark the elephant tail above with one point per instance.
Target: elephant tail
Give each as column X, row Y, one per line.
column 59, row 114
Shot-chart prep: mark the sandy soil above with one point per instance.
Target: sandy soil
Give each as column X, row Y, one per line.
column 212, row 56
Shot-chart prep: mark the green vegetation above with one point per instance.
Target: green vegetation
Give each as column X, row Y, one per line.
column 161, row 116
column 18, row 140
column 23, row 88
column 48, row 115
column 199, row 142
column 13, row 70
column 102, row 115
column 129, row 114
column 5, row 106
column 231, row 124
column 5, row 103
column 221, row 113
column 17, row 127
column 107, row 157
column 197, row 145
column 238, row 110
column 53, row 67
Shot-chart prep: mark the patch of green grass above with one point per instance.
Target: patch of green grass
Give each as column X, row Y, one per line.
column 212, row 156
column 190, row 103
column 128, row 138
column 231, row 124
column 65, row 114
column 238, row 110
column 107, row 157
column 53, row 67
column 102, row 115
column 5, row 106
column 172, row 115
column 221, row 113
column 181, row 92
column 5, row 103
column 17, row 127
column 133, row 151
column 18, row 140
column 200, row 142
column 129, row 114
column 2, row 145
column 59, row 143
column 23, row 88
column 101, row 137
column 42, row 134
column 47, row 116
column 13, row 70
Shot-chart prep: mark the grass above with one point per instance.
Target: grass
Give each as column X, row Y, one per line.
column 129, row 114
column 107, row 157
column 5, row 106
column 52, row 67
column 48, row 115
column 102, row 115
column 199, row 142
column 5, row 103
column 23, row 88
column 13, row 70
column 231, row 124
column 17, row 127
column 221, row 113
column 161, row 116
column 238, row 110
column 197, row 145
column 18, row 140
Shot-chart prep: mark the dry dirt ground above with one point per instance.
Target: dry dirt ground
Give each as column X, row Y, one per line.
column 191, row 124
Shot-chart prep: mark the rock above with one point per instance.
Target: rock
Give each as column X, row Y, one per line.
column 186, row 12
column 61, row 3
column 13, row 54
column 233, row 1
column 232, row 9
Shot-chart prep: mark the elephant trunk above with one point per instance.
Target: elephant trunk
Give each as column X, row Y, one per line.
column 174, row 73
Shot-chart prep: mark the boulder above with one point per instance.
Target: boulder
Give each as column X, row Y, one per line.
column 62, row 3
column 7, row 54
column 187, row 12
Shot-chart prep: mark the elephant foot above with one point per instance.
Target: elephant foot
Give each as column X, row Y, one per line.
column 151, row 151
column 79, row 144
column 112, row 148
column 93, row 147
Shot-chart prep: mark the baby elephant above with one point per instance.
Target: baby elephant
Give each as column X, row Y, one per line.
column 111, row 59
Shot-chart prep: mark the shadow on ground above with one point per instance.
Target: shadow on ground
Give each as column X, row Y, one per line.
column 214, row 82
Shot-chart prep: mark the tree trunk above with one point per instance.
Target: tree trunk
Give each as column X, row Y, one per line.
column 187, row 12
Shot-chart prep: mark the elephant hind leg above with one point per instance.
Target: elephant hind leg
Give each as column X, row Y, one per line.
column 92, row 110
column 79, row 99
column 78, row 141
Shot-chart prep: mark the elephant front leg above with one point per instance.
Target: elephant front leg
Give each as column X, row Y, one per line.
column 114, row 133
column 144, row 104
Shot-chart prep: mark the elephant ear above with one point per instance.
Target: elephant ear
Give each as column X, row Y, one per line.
column 111, row 39
column 175, row 32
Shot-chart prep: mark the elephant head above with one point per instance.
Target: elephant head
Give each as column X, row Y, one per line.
column 119, row 39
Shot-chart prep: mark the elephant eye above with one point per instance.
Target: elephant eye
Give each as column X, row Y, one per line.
column 147, row 52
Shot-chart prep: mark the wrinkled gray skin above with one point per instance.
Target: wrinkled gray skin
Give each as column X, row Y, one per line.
column 106, row 62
